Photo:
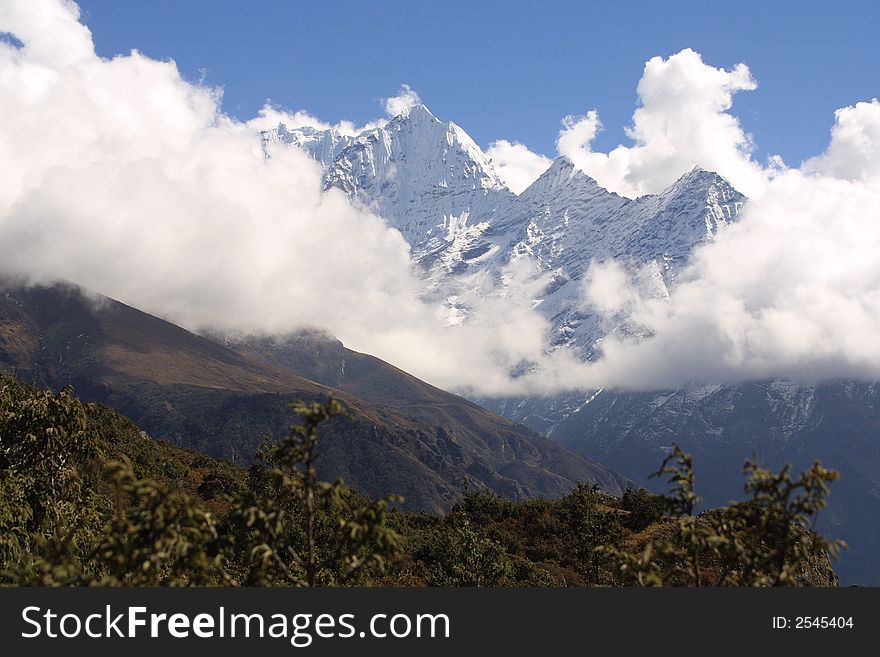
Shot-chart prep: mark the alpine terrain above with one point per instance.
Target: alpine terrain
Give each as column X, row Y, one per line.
column 430, row 180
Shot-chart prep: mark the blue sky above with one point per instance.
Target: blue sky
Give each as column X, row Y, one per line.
column 510, row 70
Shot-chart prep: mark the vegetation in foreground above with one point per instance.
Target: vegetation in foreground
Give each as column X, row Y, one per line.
column 87, row 499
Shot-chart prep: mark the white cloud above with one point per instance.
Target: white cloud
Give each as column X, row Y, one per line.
column 403, row 101
column 517, row 166
column 49, row 31
column 121, row 176
column 682, row 121
column 791, row 290
column 609, row 289
column 854, row 152
column 271, row 116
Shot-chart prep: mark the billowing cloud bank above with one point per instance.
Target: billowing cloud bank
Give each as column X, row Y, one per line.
column 791, row 290
column 683, row 120
column 125, row 178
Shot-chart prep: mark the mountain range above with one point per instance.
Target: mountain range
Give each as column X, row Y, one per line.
column 430, row 180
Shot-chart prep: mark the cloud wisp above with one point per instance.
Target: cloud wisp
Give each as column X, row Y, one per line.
column 517, row 166
column 270, row 116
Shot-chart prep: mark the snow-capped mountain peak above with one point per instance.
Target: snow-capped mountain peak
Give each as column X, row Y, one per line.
column 430, row 180
column 415, row 139
column 694, row 208
column 427, row 178
column 564, row 178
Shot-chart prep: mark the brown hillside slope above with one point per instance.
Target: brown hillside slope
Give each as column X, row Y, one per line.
column 405, row 437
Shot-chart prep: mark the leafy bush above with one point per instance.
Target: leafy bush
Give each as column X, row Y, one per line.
column 86, row 498
column 644, row 509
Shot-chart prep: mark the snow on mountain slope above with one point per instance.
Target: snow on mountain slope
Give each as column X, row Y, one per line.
column 427, row 178
column 565, row 221
column 431, row 181
column 323, row 145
